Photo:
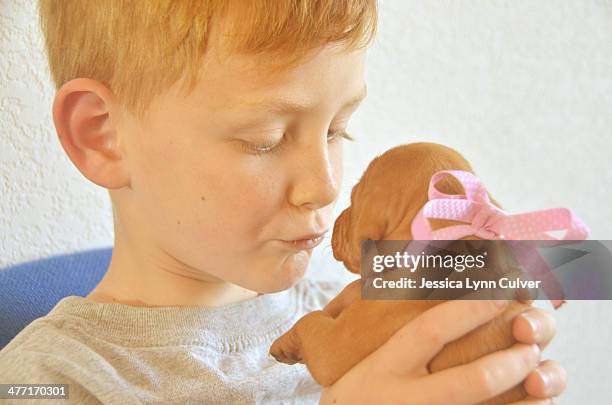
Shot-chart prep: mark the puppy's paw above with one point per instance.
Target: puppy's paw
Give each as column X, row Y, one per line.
column 285, row 350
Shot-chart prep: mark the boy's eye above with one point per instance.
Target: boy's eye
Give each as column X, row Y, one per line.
column 261, row 149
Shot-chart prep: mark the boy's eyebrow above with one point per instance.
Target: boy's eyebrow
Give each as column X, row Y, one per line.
column 289, row 106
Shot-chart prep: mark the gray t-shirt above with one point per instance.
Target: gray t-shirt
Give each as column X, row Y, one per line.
column 121, row 354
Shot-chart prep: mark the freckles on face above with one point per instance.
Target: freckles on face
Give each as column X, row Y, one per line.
column 221, row 209
column 255, row 198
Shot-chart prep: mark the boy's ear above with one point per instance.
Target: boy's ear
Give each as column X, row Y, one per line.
column 85, row 118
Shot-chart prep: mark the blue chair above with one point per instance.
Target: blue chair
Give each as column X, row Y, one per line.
column 30, row 290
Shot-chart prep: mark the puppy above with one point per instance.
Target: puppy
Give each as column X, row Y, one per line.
column 383, row 204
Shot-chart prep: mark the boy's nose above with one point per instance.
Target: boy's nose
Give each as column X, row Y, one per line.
column 316, row 182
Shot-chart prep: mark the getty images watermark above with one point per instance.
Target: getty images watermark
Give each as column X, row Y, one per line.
column 555, row 270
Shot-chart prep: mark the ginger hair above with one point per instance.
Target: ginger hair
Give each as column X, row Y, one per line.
column 139, row 49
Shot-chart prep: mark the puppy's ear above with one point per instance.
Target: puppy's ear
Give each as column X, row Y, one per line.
column 340, row 235
column 366, row 227
column 349, row 233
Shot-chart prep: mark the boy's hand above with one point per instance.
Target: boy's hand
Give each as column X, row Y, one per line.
column 397, row 372
column 538, row 326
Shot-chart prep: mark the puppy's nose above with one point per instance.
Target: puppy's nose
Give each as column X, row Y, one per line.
column 339, row 236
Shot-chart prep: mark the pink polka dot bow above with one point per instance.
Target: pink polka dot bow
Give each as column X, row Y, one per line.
column 486, row 221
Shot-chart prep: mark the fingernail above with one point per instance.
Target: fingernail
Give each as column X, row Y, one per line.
column 546, row 380
column 536, row 326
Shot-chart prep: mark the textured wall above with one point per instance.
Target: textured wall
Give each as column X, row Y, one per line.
column 46, row 206
column 522, row 88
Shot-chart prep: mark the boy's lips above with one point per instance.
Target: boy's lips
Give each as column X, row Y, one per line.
column 313, row 235
column 303, row 243
column 308, row 241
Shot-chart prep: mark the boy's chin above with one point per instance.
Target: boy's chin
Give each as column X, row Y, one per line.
column 288, row 273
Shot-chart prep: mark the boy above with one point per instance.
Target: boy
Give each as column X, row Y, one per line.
column 216, row 127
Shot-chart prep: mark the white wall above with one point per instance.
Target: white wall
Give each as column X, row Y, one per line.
column 522, row 88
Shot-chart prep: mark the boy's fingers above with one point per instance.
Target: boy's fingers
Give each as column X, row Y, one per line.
column 431, row 330
column 483, row 378
column 534, row 325
column 549, row 379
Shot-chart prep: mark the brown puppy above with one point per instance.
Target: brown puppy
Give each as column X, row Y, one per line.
column 383, row 203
